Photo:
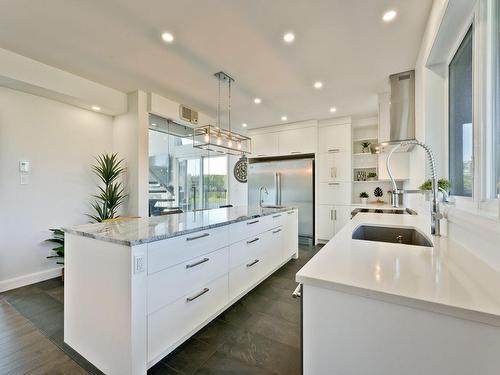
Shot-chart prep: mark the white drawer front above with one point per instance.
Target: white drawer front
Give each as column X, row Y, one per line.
column 168, row 325
column 241, row 278
column 166, row 253
column 168, row 285
column 275, row 220
column 335, row 193
column 240, row 231
column 246, row 250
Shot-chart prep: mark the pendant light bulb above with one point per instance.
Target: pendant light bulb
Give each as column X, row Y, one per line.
column 207, row 138
column 219, row 140
column 230, row 143
column 239, row 145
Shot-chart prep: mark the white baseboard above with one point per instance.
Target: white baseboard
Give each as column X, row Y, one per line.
column 32, row 278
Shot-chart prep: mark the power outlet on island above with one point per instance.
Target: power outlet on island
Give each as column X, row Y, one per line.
column 139, row 265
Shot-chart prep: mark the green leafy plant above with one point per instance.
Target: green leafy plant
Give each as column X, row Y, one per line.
column 363, row 194
column 58, row 239
column 443, row 183
column 371, row 175
column 365, row 144
column 111, row 195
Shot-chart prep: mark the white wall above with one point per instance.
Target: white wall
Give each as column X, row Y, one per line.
column 60, row 142
column 238, row 192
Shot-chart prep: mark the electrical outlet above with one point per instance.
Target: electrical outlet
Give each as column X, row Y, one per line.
column 139, row 265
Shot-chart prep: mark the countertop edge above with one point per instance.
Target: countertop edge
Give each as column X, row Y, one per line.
column 435, row 307
column 103, row 237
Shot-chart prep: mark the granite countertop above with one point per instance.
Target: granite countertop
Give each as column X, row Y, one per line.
column 445, row 278
column 144, row 230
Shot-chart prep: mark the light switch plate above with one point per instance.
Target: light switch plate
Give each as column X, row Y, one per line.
column 24, row 179
column 24, row 166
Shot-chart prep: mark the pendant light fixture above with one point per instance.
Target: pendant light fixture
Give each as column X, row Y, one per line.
column 217, row 138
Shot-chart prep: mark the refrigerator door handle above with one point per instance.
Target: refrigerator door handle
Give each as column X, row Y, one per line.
column 276, row 188
column 279, row 189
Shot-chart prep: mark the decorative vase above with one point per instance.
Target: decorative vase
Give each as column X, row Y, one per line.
column 364, row 201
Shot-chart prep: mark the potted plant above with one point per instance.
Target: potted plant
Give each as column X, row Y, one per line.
column 58, row 250
column 443, row 183
column 372, row 176
column 378, row 193
column 108, row 169
column 364, row 198
column 365, row 147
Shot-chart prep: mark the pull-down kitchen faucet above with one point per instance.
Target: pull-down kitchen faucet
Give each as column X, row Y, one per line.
column 261, row 201
column 435, row 214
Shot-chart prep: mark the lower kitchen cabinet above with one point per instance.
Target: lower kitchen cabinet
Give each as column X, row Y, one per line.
column 331, row 219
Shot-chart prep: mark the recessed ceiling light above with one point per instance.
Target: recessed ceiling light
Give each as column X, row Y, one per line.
column 244, row 125
column 289, row 37
column 257, row 101
column 96, row 108
column 167, row 37
column 389, row 15
column 318, row 85
column 333, row 109
column 284, row 118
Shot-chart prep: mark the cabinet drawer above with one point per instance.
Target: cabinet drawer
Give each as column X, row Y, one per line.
column 334, row 193
column 245, row 229
column 247, row 249
column 241, row 278
column 166, row 253
column 174, row 321
column 168, row 285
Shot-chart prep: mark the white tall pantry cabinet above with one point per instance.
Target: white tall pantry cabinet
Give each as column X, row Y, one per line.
column 334, row 175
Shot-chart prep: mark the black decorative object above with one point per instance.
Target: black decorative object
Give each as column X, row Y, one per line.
column 240, row 169
column 378, row 193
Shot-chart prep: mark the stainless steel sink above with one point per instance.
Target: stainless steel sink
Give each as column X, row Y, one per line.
column 407, row 236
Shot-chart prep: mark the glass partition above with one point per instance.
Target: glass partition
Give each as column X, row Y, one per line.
column 182, row 177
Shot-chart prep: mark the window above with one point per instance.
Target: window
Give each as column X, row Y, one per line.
column 460, row 119
column 180, row 176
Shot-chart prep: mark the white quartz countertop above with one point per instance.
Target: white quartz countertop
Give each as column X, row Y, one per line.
column 143, row 230
column 445, row 278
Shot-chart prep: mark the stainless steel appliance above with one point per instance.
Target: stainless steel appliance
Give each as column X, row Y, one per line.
column 288, row 183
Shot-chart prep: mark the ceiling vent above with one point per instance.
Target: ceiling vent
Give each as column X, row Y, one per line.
column 188, row 114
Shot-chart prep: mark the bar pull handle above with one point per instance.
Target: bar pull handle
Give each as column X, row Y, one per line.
column 252, row 263
column 252, row 241
column 333, row 172
column 275, row 216
column 261, row 155
column 333, row 183
column 290, row 212
column 252, row 222
column 197, row 237
column 295, row 152
column 333, row 150
column 276, row 231
column 331, row 215
column 335, row 214
column 197, row 295
column 197, row 263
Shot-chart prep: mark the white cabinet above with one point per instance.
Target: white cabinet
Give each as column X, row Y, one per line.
column 264, row 145
column 335, row 138
column 290, row 234
column 400, row 165
column 331, row 220
column 297, row 141
column 335, row 166
column 335, row 193
column 326, row 223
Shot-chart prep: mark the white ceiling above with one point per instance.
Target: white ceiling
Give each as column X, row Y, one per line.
column 343, row 43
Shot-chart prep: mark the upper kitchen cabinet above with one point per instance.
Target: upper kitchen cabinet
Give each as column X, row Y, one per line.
column 297, row 141
column 264, row 145
column 335, row 138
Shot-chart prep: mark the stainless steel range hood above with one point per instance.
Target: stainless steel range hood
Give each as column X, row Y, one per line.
column 402, row 110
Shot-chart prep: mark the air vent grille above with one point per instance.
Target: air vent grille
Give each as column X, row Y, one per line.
column 188, row 114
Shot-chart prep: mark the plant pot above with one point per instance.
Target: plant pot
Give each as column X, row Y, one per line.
column 372, row 178
column 364, row 201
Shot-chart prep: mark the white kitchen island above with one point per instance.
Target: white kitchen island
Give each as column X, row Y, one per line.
column 390, row 309
column 135, row 290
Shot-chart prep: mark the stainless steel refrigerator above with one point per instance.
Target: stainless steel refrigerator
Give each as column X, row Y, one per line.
column 289, row 183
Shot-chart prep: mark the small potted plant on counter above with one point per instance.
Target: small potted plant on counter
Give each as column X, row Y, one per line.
column 443, row 183
column 372, row 176
column 365, row 147
column 364, row 198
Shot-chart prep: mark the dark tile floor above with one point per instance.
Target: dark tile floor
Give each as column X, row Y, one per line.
column 260, row 334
